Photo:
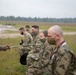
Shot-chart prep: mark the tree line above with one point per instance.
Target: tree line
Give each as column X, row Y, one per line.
column 38, row 19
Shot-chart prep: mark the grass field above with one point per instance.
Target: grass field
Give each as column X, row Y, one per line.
column 9, row 60
column 43, row 25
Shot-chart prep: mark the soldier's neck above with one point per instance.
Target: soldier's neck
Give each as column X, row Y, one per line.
column 59, row 42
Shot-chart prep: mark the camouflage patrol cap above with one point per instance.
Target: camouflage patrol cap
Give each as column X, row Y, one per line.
column 35, row 26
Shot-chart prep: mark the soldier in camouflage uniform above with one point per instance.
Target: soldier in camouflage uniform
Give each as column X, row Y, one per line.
column 35, row 33
column 33, row 57
column 45, row 53
column 62, row 59
column 26, row 43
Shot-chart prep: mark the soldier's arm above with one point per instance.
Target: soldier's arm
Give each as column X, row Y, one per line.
column 44, row 58
column 27, row 45
column 62, row 64
column 29, row 60
column 26, row 39
column 38, row 45
column 43, row 62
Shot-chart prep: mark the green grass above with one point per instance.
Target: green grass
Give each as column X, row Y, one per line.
column 9, row 63
column 9, row 60
column 69, row 28
column 71, row 41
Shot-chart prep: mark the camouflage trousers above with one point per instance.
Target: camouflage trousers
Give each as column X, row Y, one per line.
column 42, row 71
column 33, row 71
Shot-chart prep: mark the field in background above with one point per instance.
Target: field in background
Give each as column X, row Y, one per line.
column 42, row 25
column 9, row 60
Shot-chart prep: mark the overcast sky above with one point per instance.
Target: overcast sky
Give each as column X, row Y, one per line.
column 38, row 8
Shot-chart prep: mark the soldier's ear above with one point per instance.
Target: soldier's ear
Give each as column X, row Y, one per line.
column 57, row 36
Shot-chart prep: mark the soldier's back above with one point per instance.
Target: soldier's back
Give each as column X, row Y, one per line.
column 63, row 61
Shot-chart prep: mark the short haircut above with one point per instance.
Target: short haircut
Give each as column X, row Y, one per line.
column 56, row 29
column 45, row 33
column 21, row 28
column 35, row 26
column 27, row 26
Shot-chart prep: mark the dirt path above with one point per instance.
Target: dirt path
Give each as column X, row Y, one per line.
column 14, row 35
column 69, row 33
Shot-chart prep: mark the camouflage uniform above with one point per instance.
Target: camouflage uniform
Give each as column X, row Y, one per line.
column 33, row 58
column 35, row 38
column 27, row 43
column 62, row 61
column 44, row 61
column 39, row 62
column 32, row 63
column 28, row 31
column 37, row 43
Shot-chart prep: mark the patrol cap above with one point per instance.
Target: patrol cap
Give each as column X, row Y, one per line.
column 35, row 26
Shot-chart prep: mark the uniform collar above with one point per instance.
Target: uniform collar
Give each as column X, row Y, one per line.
column 61, row 44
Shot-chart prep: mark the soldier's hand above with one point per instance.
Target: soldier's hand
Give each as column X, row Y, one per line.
column 8, row 47
column 21, row 42
column 4, row 48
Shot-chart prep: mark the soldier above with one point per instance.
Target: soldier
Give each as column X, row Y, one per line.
column 38, row 62
column 62, row 59
column 45, row 53
column 33, row 56
column 26, row 43
column 36, row 40
column 4, row 47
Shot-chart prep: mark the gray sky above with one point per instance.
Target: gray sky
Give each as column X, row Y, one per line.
column 38, row 8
